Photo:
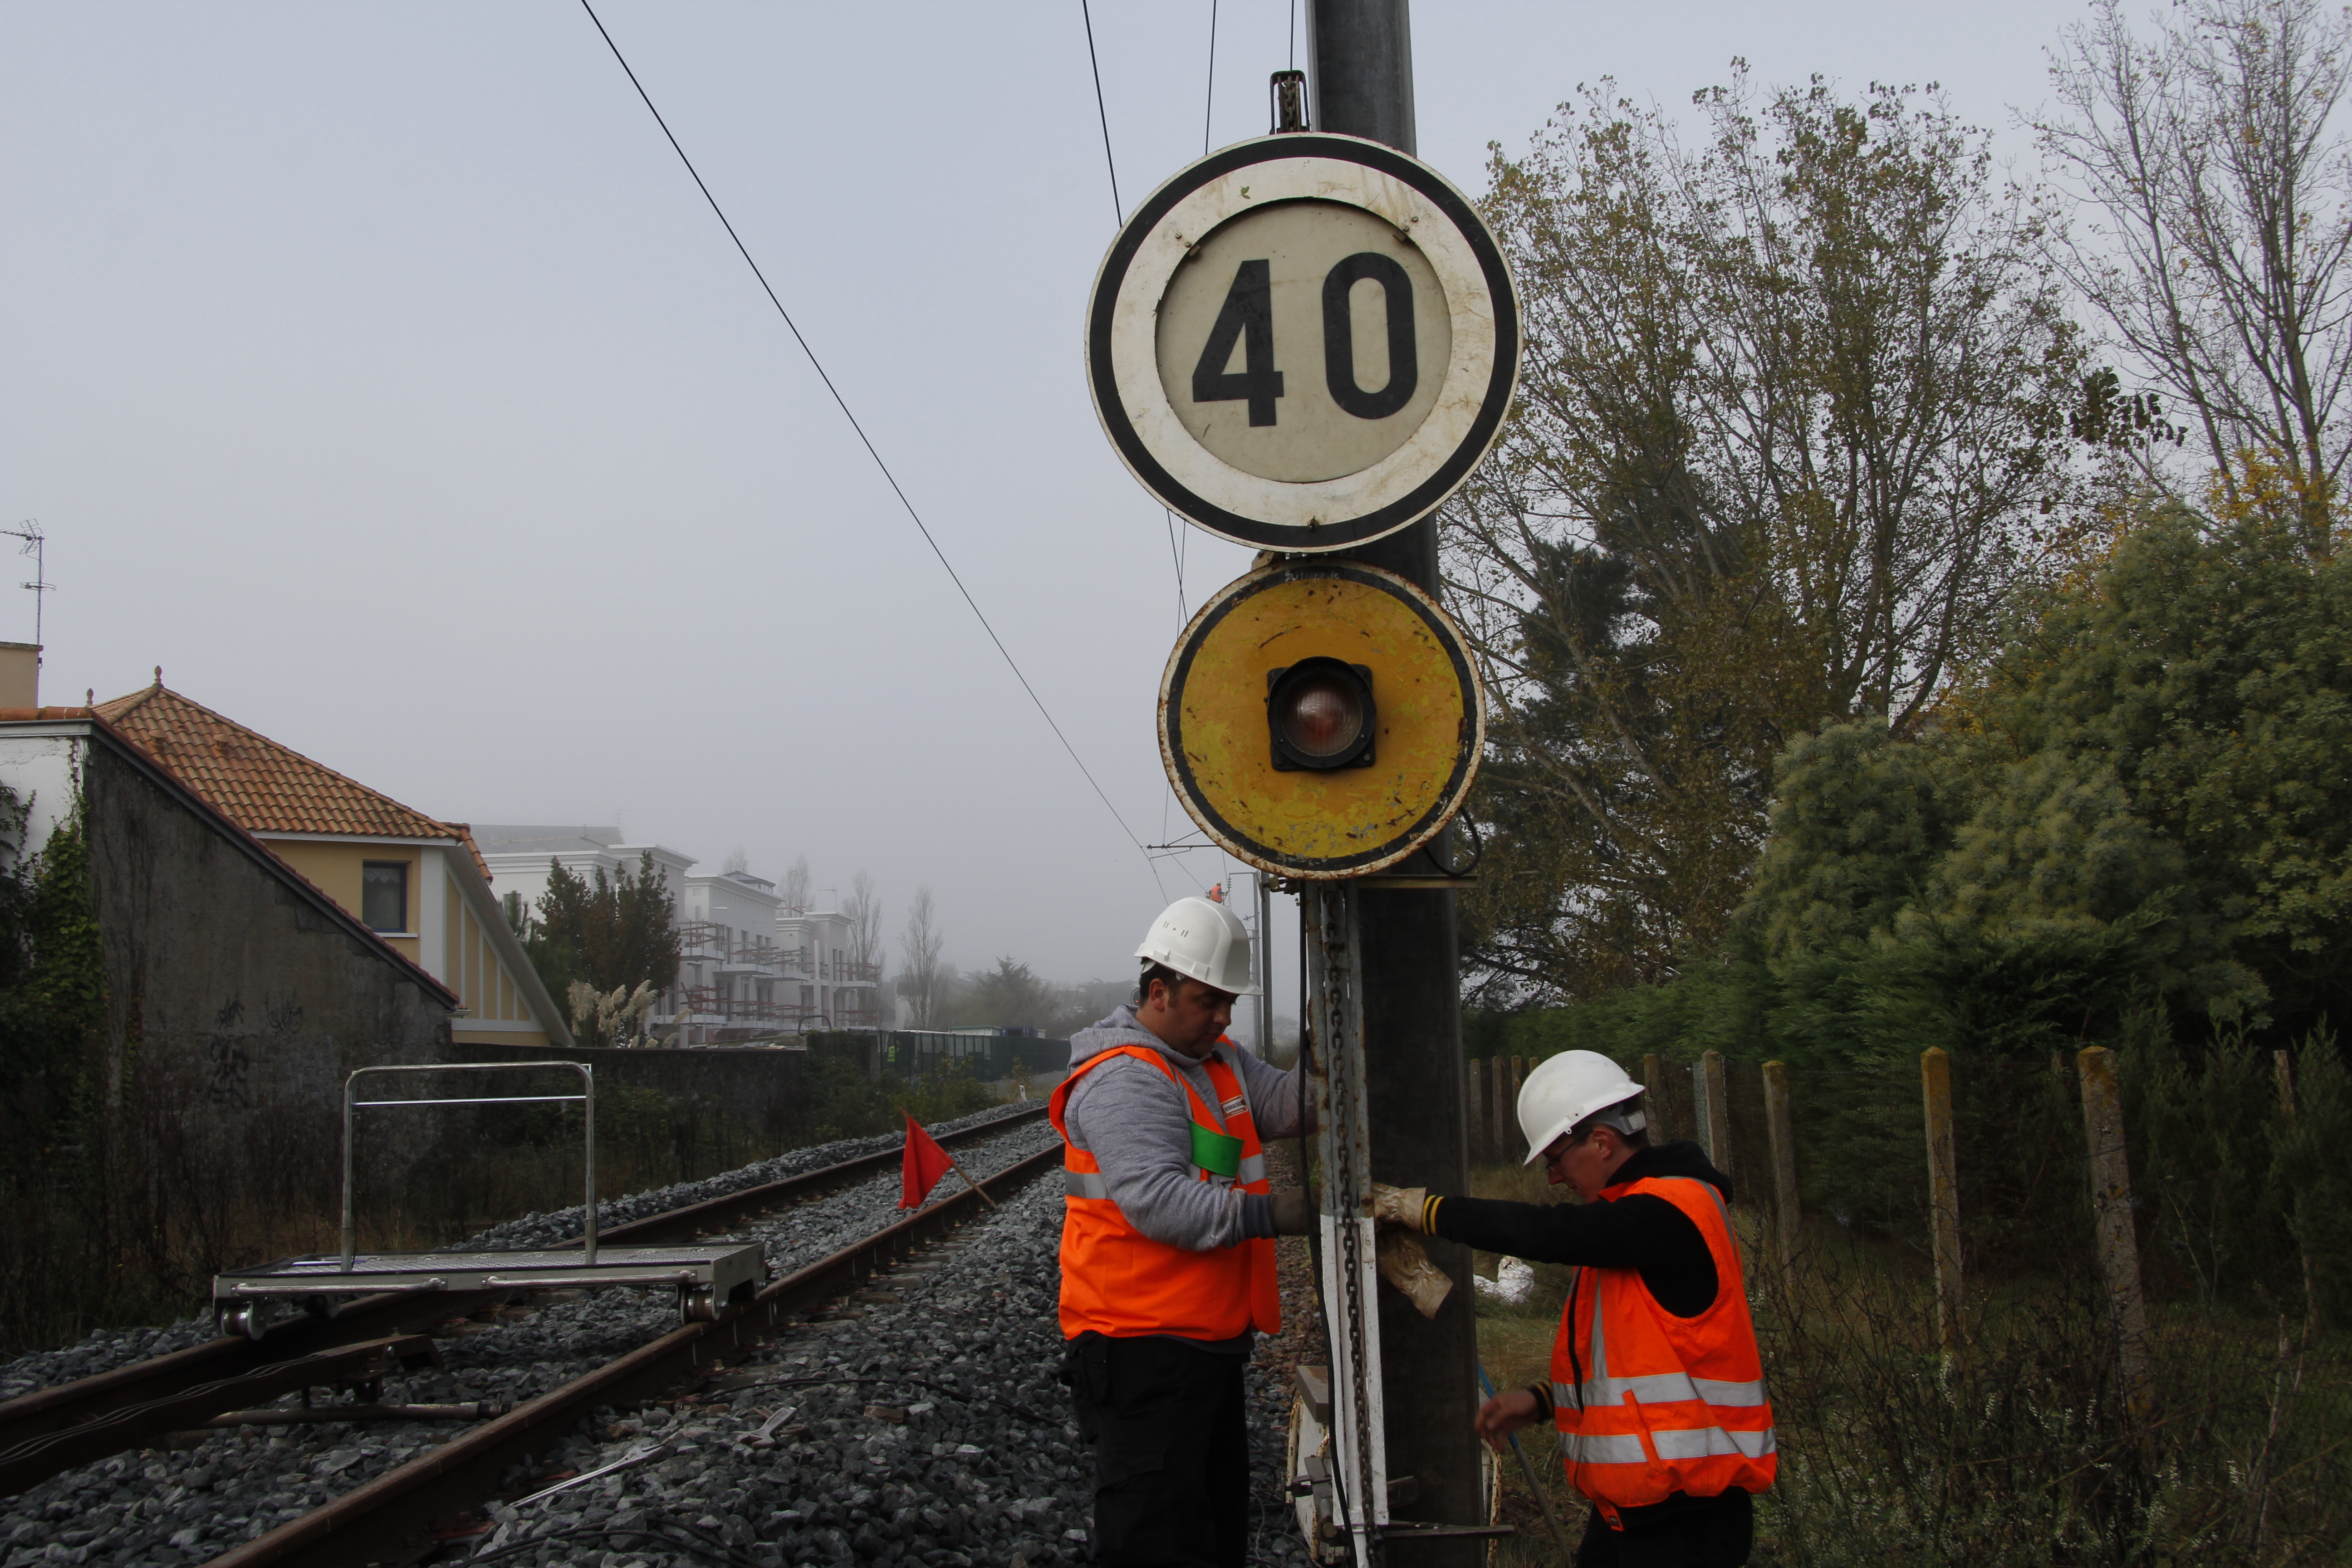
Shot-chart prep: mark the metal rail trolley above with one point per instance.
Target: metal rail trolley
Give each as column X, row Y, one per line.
column 705, row 1277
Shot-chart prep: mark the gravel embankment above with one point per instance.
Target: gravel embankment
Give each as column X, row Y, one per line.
column 169, row 1508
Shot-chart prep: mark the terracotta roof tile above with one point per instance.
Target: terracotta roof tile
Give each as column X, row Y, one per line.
column 256, row 783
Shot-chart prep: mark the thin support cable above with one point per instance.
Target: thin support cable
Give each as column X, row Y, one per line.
column 1118, row 215
column 1118, row 208
column 1118, row 211
column 1176, row 563
column 843, row 403
column 1210, row 105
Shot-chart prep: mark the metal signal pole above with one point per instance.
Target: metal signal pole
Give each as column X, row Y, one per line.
column 1361, row 60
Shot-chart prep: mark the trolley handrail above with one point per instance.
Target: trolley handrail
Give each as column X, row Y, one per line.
column 585, row 1098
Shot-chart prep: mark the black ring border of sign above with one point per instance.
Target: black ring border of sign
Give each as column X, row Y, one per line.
column 1425, row 497
column 1450, row 799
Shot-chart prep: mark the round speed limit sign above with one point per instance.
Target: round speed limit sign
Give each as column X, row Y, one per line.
column 1304, row 341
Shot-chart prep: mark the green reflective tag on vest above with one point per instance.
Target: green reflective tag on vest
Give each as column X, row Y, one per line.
column 1216, row 1153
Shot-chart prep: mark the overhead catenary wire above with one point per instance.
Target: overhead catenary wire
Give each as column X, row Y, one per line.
column 1118, row 208
column 1209, row 108
column 843, row 403
column 1118, row 215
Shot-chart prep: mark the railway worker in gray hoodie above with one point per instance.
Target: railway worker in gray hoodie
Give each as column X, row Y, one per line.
column 1168, row 1259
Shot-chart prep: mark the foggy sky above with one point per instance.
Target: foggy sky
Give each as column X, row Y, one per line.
column 378, row 371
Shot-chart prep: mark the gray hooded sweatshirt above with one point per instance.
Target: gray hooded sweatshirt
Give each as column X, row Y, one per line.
column 1138, row 1127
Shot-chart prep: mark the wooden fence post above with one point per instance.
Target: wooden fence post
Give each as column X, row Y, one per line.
column 1699, row 1107
column 1505, row 1093
column 1499, row 1109
column 1477, row 1098
column 1502, row 1112
column 1719, row 1111
column 1943, row 1199
column 2102, row 1120
column 1783, row 1136
column 1515, row 1139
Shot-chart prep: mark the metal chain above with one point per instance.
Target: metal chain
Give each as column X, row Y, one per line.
column 1342, row 1060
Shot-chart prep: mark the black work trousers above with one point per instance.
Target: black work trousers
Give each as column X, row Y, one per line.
column 1171, row 1451
column 1681, row 1532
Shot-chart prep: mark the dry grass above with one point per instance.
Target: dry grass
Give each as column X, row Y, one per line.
column 1514, row 1347
column 2023, row 1453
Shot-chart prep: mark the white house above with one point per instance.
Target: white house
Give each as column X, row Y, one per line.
column 836, row 992
column 733, row 976
column 749, row 965
column 522, row 856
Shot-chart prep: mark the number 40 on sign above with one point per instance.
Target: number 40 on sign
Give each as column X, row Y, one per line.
column 1303, row 342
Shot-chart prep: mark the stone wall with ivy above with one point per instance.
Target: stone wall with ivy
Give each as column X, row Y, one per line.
column 176, row 1019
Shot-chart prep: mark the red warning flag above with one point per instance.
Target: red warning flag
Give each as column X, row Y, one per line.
column 924, row 1164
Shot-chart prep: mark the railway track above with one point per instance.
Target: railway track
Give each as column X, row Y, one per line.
column 50, row 1431
column 396, row 1517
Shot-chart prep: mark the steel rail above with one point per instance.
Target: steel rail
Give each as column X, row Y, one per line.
column 62, row 1449
column 716, row 1213
column 388, row 1518
column 221, row 1364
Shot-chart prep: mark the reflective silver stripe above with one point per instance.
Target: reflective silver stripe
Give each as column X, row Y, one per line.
column 1660, row 1388
column 1599, row 1348
column 1252, row 1168
column 1592, row 1449
column 1084, row 1185
column 1707, row 1442
column 1668, row 1388
column 1240, row 1101
column 1688, row 1443
column 1715, row 1391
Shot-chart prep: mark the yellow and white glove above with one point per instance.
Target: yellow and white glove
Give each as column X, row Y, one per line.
column 1406, row 1207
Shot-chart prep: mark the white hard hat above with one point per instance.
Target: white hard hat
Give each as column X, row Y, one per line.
column 1562, row 1090
column 1203, row 939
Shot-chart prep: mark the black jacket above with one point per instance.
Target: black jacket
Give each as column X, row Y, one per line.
column 1639, row 1231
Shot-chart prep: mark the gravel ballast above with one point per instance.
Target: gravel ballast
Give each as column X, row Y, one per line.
column 920, row 1421
column 158, row 1507
column 932, row 1428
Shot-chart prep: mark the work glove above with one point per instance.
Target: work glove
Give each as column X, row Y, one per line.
column 1292, row 1216
column 1399, row 1205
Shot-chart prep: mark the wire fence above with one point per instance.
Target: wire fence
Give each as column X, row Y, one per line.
column 2086, row 1308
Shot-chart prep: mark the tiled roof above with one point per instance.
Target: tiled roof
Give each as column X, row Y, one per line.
column 256, row 783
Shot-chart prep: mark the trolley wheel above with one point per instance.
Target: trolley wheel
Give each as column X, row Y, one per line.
column 250, row 1318
column 698, row 1304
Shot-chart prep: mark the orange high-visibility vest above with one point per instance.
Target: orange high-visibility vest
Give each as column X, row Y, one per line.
column 1118, row 1281
column 1649, row 1403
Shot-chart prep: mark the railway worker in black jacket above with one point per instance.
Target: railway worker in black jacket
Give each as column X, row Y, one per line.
column 1656, row 1387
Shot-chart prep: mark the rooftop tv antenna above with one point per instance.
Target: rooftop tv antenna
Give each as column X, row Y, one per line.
column 41, row 585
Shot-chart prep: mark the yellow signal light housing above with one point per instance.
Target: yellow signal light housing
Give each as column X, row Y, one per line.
column 1276, row 668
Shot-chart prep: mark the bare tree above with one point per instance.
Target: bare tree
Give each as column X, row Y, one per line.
column 796, row 885
column 918, row 973
column 863, row 910
column 2223, row 224
column 738, row 860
